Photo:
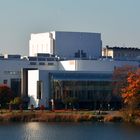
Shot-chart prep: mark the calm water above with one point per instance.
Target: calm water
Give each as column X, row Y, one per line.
column 69, row 131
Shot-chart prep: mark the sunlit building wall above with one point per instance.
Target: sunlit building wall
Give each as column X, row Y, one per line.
column 67, row 44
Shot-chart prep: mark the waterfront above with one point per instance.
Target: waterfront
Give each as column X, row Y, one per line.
column 69, row 131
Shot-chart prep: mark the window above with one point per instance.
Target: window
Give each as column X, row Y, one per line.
column 41, row 63
column 50, row 64
column 41, row 59
column 32, row 63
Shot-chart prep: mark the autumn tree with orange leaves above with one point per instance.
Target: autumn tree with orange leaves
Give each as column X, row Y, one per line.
column 120, row 75
column 131, row 92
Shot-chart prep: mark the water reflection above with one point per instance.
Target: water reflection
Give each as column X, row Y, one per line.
column 68, row 131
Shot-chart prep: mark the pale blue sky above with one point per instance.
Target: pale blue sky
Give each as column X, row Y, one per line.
column 117, row 20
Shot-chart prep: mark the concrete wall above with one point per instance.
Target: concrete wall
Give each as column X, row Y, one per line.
column 94, row 65
column 11, row 69
column 68, row 43
column 45, row 98
column 43, row 77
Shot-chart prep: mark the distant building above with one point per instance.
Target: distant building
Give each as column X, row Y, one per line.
column 121, row 53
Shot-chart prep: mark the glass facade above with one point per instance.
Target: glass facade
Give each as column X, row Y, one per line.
column 83, row 90
column 92, row 90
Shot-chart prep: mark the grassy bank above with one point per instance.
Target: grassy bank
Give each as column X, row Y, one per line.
column 70, row 116
column 57, row 116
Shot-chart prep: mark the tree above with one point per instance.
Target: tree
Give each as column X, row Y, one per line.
column 120, row 75
column 5, row 95
column 16, row 102
column 119, row 81
column 131, row 93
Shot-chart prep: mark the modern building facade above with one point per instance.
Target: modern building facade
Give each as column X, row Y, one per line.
column 89, row 88
column 65, row 65
column 88, row 81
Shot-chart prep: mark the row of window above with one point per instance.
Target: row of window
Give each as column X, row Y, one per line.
column 12, row 72
column 42, row 58
column 41, row 63
column 125, row 54
column 84, row 94
column 86, row 83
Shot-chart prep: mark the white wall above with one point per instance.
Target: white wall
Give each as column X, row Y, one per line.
column 33, row 77
column 68, row 65
column 94, row 65
column 101, row 65
column 41, row 43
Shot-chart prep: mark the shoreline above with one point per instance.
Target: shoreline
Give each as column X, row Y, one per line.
column 59, row 116
column 67, row 116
